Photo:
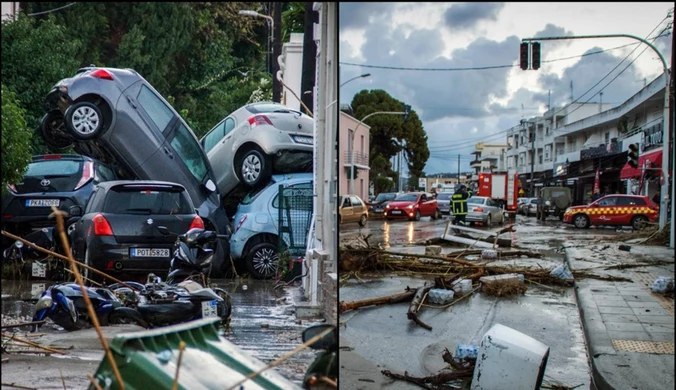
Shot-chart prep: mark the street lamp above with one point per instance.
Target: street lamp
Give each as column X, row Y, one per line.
column 255, row 14
column 357, row 77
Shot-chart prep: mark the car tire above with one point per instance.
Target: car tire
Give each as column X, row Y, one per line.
column 638, row 222
column 489, row 221
column 417, row 215
column 261, row 260
column 436, row 215
column 362, row 220
column 49, row 128
column 253, row 168
column 581, row 221
column 84, row 120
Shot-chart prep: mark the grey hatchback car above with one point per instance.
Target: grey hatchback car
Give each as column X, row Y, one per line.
column 116, row 116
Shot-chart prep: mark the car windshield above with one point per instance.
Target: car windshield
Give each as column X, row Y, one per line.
column 407, row 198
column 146, row 201
column 258, row 108
column 253, row 195
column 476, row 200
column 444, row 196
column 52, row 168
column 190, row 152
column 384, row 196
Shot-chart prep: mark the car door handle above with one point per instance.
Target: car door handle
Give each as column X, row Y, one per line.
column 131, row 102
column 168, row 153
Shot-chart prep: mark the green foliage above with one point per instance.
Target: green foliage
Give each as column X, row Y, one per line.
column 15, row 137
column 293, row 19
column 383, row 184
column 390, row 134
column 35, row 56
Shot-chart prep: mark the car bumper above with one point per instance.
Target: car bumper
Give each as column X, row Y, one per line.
column 445, row 209
column 15, row 211
column 405, row 214
column 109, row 256
column 476, row 217
column 568, row 218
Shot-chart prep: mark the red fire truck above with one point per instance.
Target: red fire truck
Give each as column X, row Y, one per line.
column 502, row 187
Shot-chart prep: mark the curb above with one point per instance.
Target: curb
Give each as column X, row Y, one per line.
column 599, row 382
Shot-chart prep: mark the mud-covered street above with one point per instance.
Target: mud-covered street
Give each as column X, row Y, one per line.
column 263, row 323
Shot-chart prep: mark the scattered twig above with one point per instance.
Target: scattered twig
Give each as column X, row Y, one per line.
column 22, row 324
column 93, row 381
column 413, row 308
column 14, row 385
column 396, row 298
column 63, row 380
column 181, row 348
column 32, row 344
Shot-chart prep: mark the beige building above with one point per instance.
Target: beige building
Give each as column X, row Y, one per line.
column 353, row 155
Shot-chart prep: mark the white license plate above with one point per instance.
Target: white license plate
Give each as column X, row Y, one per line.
column 209, row 309
column 37, row 289
column 42, row 202
column 39, row 270
column 395, row 212
column 148, row 252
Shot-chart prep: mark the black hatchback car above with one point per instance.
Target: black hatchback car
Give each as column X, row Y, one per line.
column 117, row 231
column 61, row 180
column 116, row 116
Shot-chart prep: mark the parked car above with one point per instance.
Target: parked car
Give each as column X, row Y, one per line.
column 61, row 180
column 485, row 210
column 257, row 140
column 554, row 201
column 116, row 116
column 412, row 205
column 444, row 202
column 381, row 201
column 117, row 231
column 529, row 206
column 352, row 209
column 256, row 237
column 617, row 210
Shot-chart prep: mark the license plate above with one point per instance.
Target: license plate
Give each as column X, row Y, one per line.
column 209, row 309
column 37, row 289
column 39, row 270
column 42, row 202
column 395, row 212
column 148, row 252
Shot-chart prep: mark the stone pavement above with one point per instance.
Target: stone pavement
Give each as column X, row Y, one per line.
column 629, row 329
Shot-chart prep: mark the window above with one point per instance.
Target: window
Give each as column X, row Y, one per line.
column 92, row 200
column 548, row 152
column 355, row 201
column 629, row 201
column 407, row 198
column 229, row 125
column 607, row 137
column 157, row 110
column 257, row 108
column 611, row 201
column 53, row 167
column 423, row 198
column 147, row 201
column 297, row 205
column 214, row 137
column 105, row 173
column 189, row 151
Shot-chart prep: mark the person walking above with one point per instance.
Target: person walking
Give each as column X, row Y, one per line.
column 459, row 202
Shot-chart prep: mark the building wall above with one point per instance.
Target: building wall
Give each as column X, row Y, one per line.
column 292, row 54
column 357, row 143
column 9, row 10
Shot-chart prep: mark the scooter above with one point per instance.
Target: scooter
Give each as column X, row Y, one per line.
column 31, row 261
column 193, row 254
column 325, row 366
column 65, row 305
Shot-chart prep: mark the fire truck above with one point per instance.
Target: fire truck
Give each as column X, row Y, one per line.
column 502, row 187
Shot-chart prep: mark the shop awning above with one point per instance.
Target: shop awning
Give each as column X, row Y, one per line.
column 655, row 157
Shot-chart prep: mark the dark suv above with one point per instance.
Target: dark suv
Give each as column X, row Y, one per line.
column 61, row 180
column 115, row 115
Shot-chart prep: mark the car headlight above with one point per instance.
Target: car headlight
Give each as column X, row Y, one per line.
column 410, row 207
column 387, row 206
column 44, row 303
column 18, row 244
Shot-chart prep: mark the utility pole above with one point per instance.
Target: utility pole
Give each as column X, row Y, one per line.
column 670, row 146
column 458, row 168
column 307, row 81
column 532, row 157
column 276, row 51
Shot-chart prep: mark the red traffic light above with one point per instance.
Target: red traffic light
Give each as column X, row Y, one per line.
column 524, row 55
column 536, row 55
column 632, row 158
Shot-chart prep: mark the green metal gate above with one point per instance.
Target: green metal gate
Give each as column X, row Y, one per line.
column 295, row 216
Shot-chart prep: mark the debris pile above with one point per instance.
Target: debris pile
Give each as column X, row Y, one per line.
column 458, row 371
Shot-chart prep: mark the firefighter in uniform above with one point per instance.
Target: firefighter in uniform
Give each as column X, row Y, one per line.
column 459, row 202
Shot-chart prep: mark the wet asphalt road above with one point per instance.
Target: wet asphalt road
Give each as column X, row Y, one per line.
column 263, row 322
column 384, row 336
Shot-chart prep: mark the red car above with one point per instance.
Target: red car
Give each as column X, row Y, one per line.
column 618, row 210
column 412, row 205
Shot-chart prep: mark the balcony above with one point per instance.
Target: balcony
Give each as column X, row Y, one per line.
column 475, row 164
column 361, row 159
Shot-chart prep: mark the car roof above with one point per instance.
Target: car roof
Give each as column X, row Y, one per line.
column 115, row 183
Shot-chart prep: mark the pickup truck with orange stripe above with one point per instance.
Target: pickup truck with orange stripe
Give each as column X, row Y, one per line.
column 617, row 210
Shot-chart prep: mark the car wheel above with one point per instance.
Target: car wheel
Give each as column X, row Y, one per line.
column 581, row 221
column 638, row 222
column 253, row 168
column 436, row 215
column 84, row 120
column 417, row 215
column 489, row 221
column 50, row 127
column 262, row 260
column 362, row 220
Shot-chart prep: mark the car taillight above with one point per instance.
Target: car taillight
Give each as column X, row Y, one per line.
column 101, row 74
column 101, row 226
column 197, row 223
column 52, row 157
column 12, row 187
column 259, row 120
column 241, row 221
column 479, row 210
column 87, row 174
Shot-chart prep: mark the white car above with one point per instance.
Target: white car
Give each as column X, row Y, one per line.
column 257, row 140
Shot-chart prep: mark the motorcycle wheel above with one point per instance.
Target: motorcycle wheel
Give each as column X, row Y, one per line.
column 121, row 318
column 65, row 321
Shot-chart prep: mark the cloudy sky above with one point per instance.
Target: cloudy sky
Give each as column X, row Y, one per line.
column 459, row 108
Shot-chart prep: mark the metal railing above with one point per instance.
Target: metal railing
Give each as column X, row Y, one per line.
column 360, row 158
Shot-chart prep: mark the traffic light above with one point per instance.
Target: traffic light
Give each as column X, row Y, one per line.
column 536, row 55
column 632, row 158
column 407, row 111
column 524, row 55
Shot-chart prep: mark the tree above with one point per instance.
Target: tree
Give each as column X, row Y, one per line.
column 15, row 137
column 390, row 134
column 293, row 19
column 383, row 184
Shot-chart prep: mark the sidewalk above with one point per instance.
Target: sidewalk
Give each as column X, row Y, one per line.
column 629, row 330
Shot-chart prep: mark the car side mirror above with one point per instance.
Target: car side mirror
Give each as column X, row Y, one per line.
column 75, row 211
column 209, row 185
